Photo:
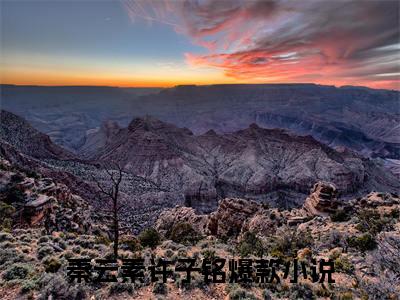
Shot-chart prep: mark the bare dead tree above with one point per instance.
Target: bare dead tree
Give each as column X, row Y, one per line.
column 111, row 192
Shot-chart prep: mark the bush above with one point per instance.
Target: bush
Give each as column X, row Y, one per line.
column 120, row 287
column 250, row 244
column 197, row 281
column 17, row 271
column 371, row 221
column 160, row 288
column 6, row 245
column 301, row 291
column 288, row 242
column 183, row 233
column 6, row 224
column 43, row 239
column 345, row 296
column 6, row 237
column 343, row 265
column 85, row 241
column 168, row 253
column 10, row 256
column 171, row 245
column 102, row 240
column 14, row 195
column 76, row 249
column 28, row 285
column 16, row 178
column 340, row 216
column 363, row 243
column 6, row 211
column 25, row 238
column 149, row 238
column 241, row 294
column 208, row 254
column 31, row 173
column 89, row 254
column 131, row 244
column 394, row 213
column 67, row 254
column 54, row 286
column 51, row 264
column 45, row 251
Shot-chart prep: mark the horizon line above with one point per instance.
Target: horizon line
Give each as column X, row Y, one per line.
column 197, row 85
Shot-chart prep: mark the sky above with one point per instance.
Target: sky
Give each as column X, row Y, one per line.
column 167, row 43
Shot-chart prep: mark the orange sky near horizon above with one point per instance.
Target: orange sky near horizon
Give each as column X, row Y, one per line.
column 140, row 43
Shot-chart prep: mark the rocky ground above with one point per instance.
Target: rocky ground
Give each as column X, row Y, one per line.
column 361, row 236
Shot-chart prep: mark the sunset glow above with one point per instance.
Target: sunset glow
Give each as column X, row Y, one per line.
column 157, row 43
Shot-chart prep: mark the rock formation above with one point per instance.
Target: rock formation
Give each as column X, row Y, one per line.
column 267, row 165
column 228, row 219
column 180, row 214
column 20, row 134
column 322, row 200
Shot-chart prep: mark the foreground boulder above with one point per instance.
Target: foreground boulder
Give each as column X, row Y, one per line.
column 227, row 221
column 322, row 200
column 179, row 214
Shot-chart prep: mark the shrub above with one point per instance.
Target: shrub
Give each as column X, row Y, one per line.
column 287, row 243
column 6, row 211
column 120, row 287
column 131, row 244
column 102, row 240
column 160, row 288
column 149, row 238
column 340, row 215
column 28, row 285
column 68, row 254
column 25, row 238
column 250, row 244
column 16, row 178
column 6, row 224
column 14, row 195
column 17, row 271
column 85, row 241
column 45, row 251
column 170, row 245
column 343, row 265
column 182, row 253
column 394, row 213
column 6, row 237
column 184, row 233
column 371, row 221
column 345, row 296
column 168, row 253
column 31, row 173
column 301, row 291
column 197, row 281
column 336, row 239
column 10, row 256
column 54, row 286
column 76, row 249
column 363, row 243
column 208, row 254
column 266, row 295
column 51, row 264
column 6, row 245
column 241, row 294
column 89, row 253
column 43, row 239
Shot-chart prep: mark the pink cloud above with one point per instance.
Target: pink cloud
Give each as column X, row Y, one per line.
column 336, row 42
